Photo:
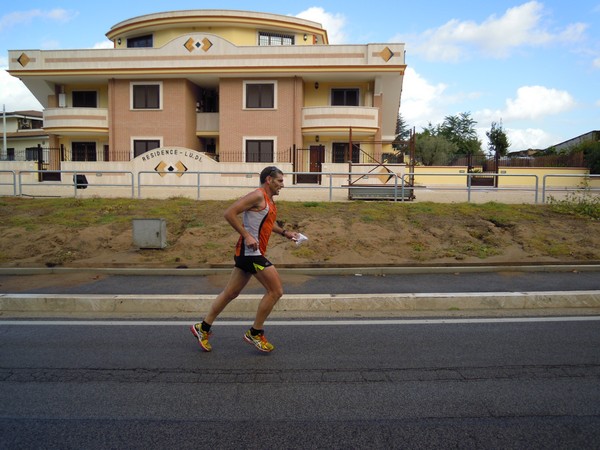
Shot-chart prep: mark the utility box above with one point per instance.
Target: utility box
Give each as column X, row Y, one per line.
column 150, row 233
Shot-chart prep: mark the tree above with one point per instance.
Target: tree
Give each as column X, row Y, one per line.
column 591, row 155
column 431, row 130
column 400, row 143
column 498, row 140
column 433, row 150
column 460, row 130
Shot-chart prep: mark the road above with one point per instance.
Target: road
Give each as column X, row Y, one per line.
column 309, row 281
column 435, row 383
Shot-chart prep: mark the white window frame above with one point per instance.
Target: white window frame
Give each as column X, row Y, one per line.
column 146, row 83
column 143, row 138
column 246, row 83
column 261, row 138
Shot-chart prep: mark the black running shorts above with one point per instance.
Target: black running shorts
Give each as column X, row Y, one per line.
column 252, row 264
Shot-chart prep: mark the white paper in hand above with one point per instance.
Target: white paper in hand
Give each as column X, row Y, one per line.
column 300, row 239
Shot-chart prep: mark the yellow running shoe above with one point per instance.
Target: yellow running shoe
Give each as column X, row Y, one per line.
column 202, row 336
column 259, row 341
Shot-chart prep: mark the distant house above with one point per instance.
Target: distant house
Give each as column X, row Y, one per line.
column 236, row 86
column 591, row 136
column 24, row 131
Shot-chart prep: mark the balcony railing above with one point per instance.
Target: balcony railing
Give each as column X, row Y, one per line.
column 65, row 119
column 340, row 116
column 207, row 122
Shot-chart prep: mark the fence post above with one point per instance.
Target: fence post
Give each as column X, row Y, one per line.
column 198, row 181
column 40, row 162
column 468, row 187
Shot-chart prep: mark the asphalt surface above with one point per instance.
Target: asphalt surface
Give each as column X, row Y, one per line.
column 474, row 384
column 307, row 281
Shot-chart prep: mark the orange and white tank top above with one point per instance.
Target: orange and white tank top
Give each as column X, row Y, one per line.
column 260, row 225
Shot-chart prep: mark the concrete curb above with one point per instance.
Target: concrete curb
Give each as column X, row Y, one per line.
column 314, row 303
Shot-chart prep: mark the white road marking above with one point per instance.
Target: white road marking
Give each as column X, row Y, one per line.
column 353, row 322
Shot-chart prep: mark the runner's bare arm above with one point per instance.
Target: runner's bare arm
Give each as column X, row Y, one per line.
column 253, row 200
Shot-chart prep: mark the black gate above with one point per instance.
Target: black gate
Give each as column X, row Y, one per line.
column 48, row 160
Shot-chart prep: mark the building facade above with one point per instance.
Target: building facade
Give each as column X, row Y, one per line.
column 236, row 86
column 22, row 135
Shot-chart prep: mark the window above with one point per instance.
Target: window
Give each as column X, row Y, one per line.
column 146, row 96
column 344, row 97
column 33, row 154
column 260, row 95
column 140, row 41
column 83, row 151
column 143, row 146
column 259, row 151
column 339, row 151
column 24, row 124
column 85, row 99
column 265, row 38
column 10, row 154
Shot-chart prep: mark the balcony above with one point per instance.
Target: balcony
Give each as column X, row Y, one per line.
column 76, row 120
column 207, row 124
column 319, row 118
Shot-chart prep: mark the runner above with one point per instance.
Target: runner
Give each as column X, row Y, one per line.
column 255, row 228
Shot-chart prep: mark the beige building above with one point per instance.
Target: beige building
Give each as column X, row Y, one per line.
column 235, row 86
column 22, row 135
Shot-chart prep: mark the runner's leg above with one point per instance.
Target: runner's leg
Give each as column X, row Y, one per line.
column 269, row 278
column 237, row 282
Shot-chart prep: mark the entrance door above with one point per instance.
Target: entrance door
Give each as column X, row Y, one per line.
column 315, row 161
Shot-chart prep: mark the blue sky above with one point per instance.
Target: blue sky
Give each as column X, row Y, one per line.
column 533, row 66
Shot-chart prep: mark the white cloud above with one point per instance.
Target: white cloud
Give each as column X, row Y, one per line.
column 532, row 102
column 421, row 100
column 25, row 17
column 520, row 138
column 14, row 95
column 333, row 23
column 494, row 38
column 534, row 138
column 596, row 63
column 104, row 44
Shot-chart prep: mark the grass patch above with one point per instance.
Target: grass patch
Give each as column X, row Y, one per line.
column 465, row 229
column 582, row 203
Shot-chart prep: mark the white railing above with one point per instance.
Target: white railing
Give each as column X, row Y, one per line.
column 584, row 187
column 75, row 182
column 14, row 180
column 333, row 186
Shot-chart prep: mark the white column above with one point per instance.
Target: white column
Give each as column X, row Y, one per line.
column 4, row 147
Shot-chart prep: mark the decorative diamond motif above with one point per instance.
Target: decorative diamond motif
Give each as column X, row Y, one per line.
column 160, row 168
column 189, row 45
column 206, row 44
column 181, row 168
column 386, row 175
column 23, row 59
column 386, row 54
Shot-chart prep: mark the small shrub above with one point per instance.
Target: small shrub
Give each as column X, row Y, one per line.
column 580, row 203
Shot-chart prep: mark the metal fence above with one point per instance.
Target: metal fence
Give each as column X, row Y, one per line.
column 488, row 163
column 78, row 180
column 335, row 186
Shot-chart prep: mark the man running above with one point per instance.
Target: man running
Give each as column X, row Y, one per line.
column 258, row 222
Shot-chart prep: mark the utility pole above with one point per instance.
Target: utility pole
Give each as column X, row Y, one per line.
column 4, row 147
